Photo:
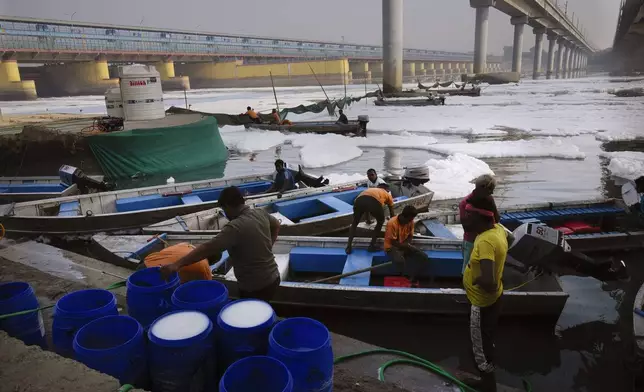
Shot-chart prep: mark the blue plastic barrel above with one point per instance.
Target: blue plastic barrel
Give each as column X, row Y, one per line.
column 149, row 296
column 257, row 373
column 16, row 297
column 207, row 296
column 248, row 335
column 114, row 345
column 304, row 346
column 76, row 309
column 180, row 352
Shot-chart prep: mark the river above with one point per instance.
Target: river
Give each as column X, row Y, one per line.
column 543, row 139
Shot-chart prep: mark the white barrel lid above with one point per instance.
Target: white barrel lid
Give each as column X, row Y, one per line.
column 180, row 325
column 246, row 314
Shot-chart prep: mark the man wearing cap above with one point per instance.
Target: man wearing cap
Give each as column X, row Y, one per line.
column 481, row 196
column 484, row 289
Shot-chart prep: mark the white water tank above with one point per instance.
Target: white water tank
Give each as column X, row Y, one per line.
column 141, row 92
column 113, row 102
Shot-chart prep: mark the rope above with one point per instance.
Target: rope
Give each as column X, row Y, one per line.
column 525, row 283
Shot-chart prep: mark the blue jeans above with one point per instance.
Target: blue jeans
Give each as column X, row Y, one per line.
column 468, row 247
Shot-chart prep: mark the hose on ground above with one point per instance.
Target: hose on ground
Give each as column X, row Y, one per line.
column 413, row 360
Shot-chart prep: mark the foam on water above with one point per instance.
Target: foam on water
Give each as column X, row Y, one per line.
column 625, row 164
column 246, row 314
column 451, row 178
column 535, row 148
column 180, row 325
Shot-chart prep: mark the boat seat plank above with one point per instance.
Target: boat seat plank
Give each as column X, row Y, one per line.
column 442, row 263
column 249, row 188
column 282, row 261
column 336, row 204
column 357, row 260
column 438, row 229
column 71, row 208
column 139, row 203
column 322, row 217
column 283, row 220
column 191, row 199
column 315, row 259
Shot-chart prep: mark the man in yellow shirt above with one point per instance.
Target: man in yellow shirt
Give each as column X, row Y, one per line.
column 371, row 202
column 484, row 288
column 398, row 235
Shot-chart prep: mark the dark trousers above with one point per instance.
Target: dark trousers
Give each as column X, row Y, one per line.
column 265, row 294
column 410, row 261
column 370, row 206
column 483, row 327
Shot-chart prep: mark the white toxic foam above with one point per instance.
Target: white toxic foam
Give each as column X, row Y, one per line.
column 180, row 325
column 247, row 314
column 625, row 164
column 451, row 178
column 535, row 148
column 342, row 178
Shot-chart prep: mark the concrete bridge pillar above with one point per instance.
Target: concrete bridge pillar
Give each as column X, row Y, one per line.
column 392, row 45
column 76, row 78
column 440, row 72
column 420, row 69
column 11, row 86
column 575, row 67
column 481, row 32
column 360, row 70
column 431, row 71
column 519, row 23
column 409, row 70
column 568, row 73
column 552, row 40
column 470, row 68
column 538, row 49
column 560, row 58
column 376, row 69
column 169, row 81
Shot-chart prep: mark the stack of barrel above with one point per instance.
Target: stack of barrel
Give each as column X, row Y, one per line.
column 179, row 337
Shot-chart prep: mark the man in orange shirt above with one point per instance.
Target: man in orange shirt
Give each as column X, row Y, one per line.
column 253, row 115
column 371, row 202
column 398, row 236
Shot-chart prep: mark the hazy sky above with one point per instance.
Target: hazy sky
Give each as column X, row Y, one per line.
column 429, row 24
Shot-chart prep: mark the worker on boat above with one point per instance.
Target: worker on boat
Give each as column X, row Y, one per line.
column 197, row 271
column 249, row 239
column 254, row 117
column 484, row 186
column 399, row 233
column 484, row 288
column 277, row 120
column 343, row 118
column 284, row 179
column 373, row 180
column 371, row 201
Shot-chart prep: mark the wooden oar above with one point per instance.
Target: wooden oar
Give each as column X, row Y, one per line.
column 353, row 273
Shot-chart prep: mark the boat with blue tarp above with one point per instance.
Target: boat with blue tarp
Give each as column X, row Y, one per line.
column 132, row 209
column 318, row 214
column 303, row 260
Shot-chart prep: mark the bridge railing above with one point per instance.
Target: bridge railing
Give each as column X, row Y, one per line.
column 70, row 38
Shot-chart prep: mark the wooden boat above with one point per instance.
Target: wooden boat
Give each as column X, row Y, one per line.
column 18, row 189
column 318, row 214
column 429, row 101
column 130, row 209
column 593, row 225
column 304, row 259
column 353, row 128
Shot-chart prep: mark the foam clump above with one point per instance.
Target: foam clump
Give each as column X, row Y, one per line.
column 246, row 314
column 180, row 325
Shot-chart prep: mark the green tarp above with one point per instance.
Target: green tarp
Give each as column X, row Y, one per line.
column 151, row 151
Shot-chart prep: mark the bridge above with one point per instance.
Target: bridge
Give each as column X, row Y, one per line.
column 628, row 46
column 77, row 58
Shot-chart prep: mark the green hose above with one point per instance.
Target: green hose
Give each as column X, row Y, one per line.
column 125, row 388
column 413, row 360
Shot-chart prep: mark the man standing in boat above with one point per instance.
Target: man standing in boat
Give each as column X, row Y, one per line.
column 284, row 180
column 371, row 202
column 408, row 259
column 343, row 118
column 254, row 117
column 249, row 239
column 484, row 186
column 484, row 289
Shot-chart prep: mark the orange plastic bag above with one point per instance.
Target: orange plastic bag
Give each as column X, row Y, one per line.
column 197, row 271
